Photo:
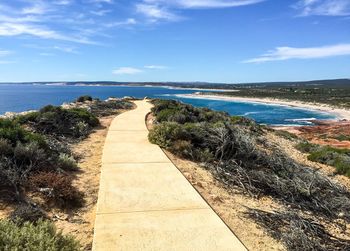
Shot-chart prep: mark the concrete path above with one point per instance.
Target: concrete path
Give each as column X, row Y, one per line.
column 145, row 203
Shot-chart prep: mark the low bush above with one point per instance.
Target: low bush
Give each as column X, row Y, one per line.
column 109, row 107
column 84, row 98
column 67, row 162
column 338, row 158
column 39, row 236
column 13, row 133
column 173, row 111
column 342, row 137
column 27, row 213
column 5, row 147
column 30, row 155
column 286, row 135
column 57, row 188
column 307, row 147
column 164, row 134
column 56, row 121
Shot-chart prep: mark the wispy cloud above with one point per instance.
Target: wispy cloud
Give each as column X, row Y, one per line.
column 5, row 53
column 6, row 62
column 102, row 1
column 323, row 7
column 156, row 67
column 38, row 8
column 15, row 29
column 157, row 10
column 285, row 53
column 127, row 22
column 127, row 71
column 58, row 19
column 46, row 54
column 198, row 4
column 66, row 49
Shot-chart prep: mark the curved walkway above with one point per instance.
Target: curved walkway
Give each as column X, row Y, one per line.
column 145, row 203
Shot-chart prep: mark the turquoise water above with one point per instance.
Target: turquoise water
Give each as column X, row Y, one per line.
column 17, row 98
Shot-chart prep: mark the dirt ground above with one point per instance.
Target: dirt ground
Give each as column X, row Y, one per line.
column 80, row 223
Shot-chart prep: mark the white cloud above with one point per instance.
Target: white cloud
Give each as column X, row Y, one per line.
column 102, row 1
column 156, row 67
column 100, row 12
column 197, row 4
column 155, row 12
column 7, row 62
column 15, row 29
column 5, row 53
column 127, row 22
column 285, row 53
column 127, row 71
column 66, row 49
column 46, row 54
column 323, row 7
column 63, row 2
column 37, row 8
column 53, row 20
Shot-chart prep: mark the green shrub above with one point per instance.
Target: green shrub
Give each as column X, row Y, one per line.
column 342, row 164
column 5, row 147
column 84, row 98
column 343, row 137
column 174, row 111
column 183, row 148
column 339, row 158
column 306, row 147
column 163, row 134
column 286, row 135
column 54, row 120
column 84, row 116
column 40, row 236
column 29, row 154
column 13, row 133
column 67, row 162
column 21, row 119
column 110, row 107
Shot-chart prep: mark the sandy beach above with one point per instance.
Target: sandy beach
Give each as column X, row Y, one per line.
column 341, row 114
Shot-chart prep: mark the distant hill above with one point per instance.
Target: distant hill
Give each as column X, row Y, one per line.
column 334, row 83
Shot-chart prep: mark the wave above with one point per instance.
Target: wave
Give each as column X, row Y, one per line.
column 249, row 113
column 300, row 120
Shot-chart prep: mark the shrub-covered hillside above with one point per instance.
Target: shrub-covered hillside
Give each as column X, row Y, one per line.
column 38, row 168
column 238, row 153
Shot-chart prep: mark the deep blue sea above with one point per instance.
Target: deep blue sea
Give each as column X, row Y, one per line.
column 18, row 98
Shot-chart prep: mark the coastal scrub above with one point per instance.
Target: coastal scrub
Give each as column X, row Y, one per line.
column 239, row 154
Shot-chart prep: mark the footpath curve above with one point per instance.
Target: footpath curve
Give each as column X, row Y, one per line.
column 145, row 203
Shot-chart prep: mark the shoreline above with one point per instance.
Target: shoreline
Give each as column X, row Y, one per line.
column 340, row 114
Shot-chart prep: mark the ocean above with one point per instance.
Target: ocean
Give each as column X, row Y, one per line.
column 24, row 97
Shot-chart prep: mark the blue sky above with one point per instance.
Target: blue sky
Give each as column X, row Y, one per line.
column 174, row 40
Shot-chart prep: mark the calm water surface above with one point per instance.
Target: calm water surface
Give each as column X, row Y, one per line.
column 17, row 98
